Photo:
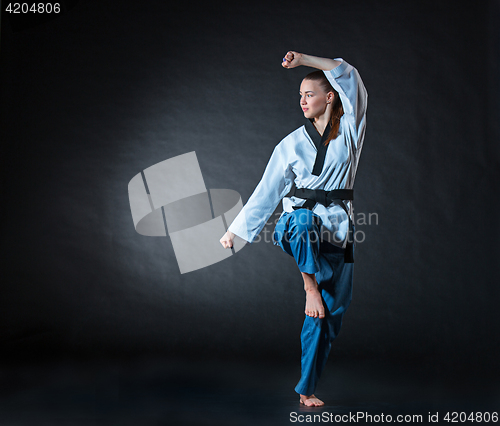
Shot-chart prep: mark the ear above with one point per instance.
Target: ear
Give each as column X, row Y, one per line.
column 330, row 97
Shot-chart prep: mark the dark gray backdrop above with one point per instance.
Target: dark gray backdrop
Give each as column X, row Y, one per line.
column 93, row 97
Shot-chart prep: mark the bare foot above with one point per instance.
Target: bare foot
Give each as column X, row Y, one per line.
column 314, row 304
column 311, row 401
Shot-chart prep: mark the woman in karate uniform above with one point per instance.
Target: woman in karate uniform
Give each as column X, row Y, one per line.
column 312, row 170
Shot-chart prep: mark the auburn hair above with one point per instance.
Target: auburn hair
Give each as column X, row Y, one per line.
column 337, row 108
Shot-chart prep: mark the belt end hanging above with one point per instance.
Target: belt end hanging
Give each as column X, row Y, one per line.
column 349, row 247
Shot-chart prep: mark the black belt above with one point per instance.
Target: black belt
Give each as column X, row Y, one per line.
column 336, row 196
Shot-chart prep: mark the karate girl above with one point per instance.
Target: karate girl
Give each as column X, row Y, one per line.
column 312, row 170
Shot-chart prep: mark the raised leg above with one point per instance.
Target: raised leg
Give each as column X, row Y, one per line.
column 335, row 283
column 328, row 286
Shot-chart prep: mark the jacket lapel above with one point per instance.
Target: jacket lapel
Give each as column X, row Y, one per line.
column 319, row 143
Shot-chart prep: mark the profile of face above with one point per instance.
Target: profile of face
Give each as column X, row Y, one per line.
column 314, row 99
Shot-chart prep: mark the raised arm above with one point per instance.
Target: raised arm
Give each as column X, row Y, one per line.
column 295, row 59
column 345, row 79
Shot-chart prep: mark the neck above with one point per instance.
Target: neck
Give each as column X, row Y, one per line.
column 322, row 121
column 320, row 124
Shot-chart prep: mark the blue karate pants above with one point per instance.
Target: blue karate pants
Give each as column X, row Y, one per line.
column 298, row 234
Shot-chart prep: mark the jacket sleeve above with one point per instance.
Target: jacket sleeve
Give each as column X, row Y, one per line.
column 276, row 182
column 346, row 80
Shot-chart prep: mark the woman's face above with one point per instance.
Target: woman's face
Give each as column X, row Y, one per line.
column 313, row 99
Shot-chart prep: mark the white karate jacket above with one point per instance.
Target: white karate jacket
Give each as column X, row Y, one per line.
column 293, row 159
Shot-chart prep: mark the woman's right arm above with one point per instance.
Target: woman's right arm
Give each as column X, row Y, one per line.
column 274, row 185
column 227, row 239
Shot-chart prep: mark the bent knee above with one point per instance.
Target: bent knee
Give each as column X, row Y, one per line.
column 304, row 220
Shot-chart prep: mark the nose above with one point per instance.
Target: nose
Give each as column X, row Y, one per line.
column 303, row 100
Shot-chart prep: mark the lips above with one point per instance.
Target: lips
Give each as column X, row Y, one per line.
column 305, row 109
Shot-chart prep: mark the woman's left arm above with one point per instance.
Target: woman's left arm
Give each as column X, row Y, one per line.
column 295, row 59
column 345, row 79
